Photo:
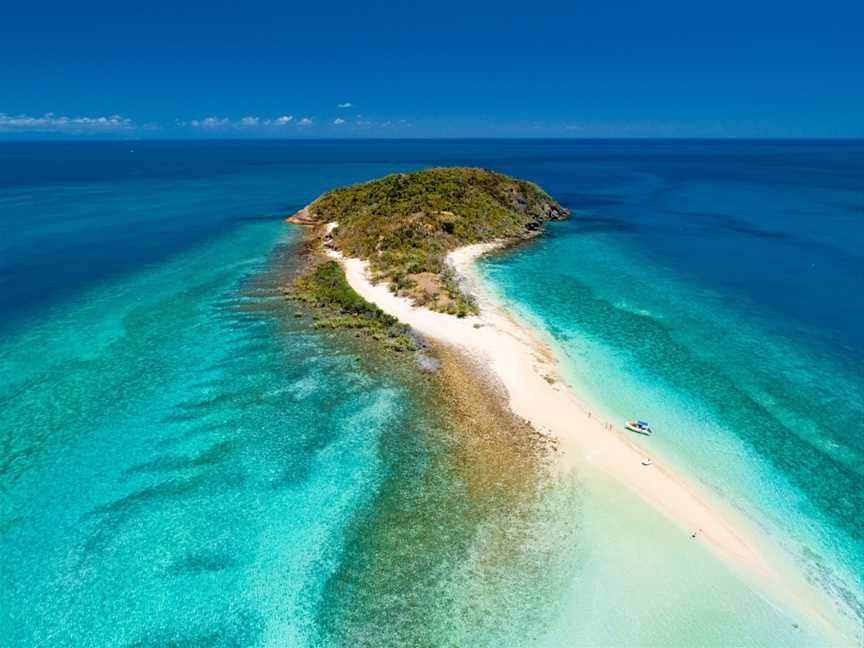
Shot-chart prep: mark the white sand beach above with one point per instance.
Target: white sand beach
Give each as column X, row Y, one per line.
column 526, row 367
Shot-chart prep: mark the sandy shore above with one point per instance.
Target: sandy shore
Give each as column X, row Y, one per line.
column 527, row 370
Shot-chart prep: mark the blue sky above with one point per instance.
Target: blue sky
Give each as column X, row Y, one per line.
column 438, row 69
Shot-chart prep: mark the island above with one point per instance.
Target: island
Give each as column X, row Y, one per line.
column 392, row 261
column 406, row 223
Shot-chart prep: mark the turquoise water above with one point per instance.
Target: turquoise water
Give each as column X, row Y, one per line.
column 149, row 488
column 758, row 405
column 186, row 462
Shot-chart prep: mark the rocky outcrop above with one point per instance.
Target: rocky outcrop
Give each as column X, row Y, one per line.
column 303, row 217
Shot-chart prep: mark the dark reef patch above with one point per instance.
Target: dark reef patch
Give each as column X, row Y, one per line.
column 213, row 455
column 725, row 222
column 599, row 224
column 201, row 562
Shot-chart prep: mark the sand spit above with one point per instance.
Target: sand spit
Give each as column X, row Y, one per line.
column 526, row 369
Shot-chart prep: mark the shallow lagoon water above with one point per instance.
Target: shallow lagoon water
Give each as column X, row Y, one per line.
column 185, row 461
column 729, row 344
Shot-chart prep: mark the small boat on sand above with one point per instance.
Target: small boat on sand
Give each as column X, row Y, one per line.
column 640, row 427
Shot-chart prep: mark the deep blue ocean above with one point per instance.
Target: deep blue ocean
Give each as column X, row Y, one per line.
column 184, row 462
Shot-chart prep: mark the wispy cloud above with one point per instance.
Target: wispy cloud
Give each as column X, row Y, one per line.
column 244, row 123
column 285, row 125
column 211, row 126
column 347, row 104
column 369, row 124
column 207, row 122
column 52, row 123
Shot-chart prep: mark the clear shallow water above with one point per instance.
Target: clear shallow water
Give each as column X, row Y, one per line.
column 183, row 460
column 720, row 299
column 148, row 484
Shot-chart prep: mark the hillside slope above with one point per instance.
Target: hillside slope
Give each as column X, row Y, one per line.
column 405, row 224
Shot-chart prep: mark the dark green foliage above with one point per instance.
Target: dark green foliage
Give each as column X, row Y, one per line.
column 327, row 286
column 339, row 307
column 406, row 223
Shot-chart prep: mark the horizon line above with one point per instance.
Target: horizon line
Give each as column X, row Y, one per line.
column 42, row 140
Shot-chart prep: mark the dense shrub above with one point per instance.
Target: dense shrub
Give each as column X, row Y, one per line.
column 406, row 223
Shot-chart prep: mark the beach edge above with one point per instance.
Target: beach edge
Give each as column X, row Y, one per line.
column 525, row 366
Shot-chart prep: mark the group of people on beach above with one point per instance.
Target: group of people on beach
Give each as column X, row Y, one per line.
column 606, row 426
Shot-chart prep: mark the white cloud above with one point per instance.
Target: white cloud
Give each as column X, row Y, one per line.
column 370, row 124
column 347, row 104
column 306, row 121
column 51, row 123
column 226, row 123
column 208, row 122
column 338, row 121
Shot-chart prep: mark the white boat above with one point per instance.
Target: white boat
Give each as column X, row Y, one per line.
column 641, row 427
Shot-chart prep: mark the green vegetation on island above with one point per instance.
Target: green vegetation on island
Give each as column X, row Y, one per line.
column 406, row 223
column 337, row 306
